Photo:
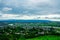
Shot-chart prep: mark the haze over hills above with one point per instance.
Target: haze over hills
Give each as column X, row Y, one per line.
column 24, row 20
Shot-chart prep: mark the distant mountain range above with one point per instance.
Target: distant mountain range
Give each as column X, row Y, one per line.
column 25, row 21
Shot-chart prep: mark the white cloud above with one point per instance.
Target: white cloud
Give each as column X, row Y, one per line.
column 9, row 15
column 56, row 17
column 38, row 5
column 49, row 16
column 28, row 3
column 6, row 9
column 1, row 13
column 38, row 1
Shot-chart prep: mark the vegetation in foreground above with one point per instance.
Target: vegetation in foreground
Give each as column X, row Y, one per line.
column 15, row 32
column 46, row 37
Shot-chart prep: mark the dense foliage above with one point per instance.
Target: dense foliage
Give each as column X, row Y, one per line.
column 26, row 30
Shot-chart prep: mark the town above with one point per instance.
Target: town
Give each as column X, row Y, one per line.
column 22, row 31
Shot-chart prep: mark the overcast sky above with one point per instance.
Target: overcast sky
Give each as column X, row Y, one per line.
column 30, row 9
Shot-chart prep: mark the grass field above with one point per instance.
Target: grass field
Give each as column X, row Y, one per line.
column 49, row 37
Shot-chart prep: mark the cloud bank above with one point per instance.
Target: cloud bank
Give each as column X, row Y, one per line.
column 30, row 9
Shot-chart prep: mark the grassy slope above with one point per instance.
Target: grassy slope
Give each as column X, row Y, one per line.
column 49, row 37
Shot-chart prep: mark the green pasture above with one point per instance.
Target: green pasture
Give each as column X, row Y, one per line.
column 47, row 37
